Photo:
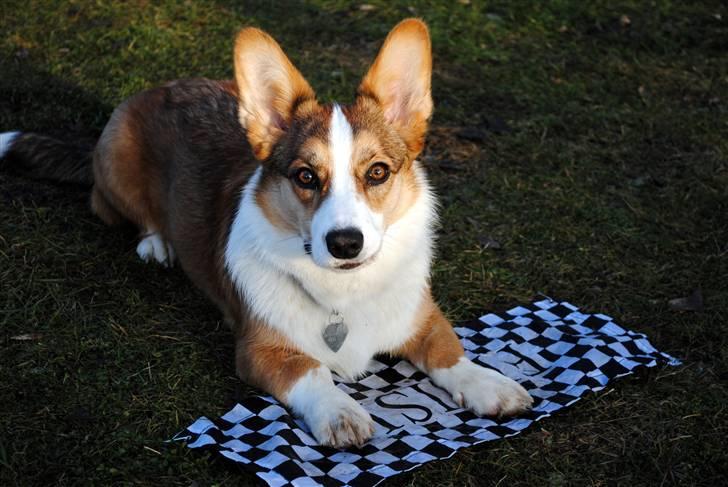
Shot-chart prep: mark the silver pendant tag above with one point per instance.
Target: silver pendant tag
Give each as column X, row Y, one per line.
column 335, row 332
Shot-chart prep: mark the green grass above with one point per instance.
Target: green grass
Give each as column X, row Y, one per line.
column 609, row 190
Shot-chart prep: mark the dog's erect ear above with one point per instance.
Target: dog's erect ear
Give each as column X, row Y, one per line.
column 269, row 88
column 399, row 80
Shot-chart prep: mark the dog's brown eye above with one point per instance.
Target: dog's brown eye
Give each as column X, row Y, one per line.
column 305, row 178
column 378, row 173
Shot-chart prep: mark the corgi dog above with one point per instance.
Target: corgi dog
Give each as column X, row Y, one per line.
column 309, row 225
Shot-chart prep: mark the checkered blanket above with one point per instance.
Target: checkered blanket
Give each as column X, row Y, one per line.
column 555, row 351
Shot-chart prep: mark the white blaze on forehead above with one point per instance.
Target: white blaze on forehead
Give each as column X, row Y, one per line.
column 341, row 144
column 343, row 207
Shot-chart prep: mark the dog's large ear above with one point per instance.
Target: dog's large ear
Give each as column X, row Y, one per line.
column 269, row 88
column 399, row 80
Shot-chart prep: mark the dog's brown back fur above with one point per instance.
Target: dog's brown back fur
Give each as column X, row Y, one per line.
column 199, row 158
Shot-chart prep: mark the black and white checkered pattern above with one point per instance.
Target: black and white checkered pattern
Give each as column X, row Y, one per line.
column 552, row 349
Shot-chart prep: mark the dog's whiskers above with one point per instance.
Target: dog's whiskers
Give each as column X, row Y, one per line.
column 306, row 243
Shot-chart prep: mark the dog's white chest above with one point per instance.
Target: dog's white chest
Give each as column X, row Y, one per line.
column 377, row 323
column 376, row 326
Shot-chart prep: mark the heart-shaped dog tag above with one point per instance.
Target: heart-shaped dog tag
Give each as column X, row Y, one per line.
column 334, row 335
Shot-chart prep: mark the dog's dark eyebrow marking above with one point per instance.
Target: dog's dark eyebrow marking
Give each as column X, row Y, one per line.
column 369, row 154
column 298, row 101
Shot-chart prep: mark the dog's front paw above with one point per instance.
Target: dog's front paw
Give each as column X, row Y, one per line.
column 484, row 391
column 340, row 422
column 334, row 418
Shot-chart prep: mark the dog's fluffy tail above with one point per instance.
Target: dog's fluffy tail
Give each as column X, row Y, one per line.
column 44, row 157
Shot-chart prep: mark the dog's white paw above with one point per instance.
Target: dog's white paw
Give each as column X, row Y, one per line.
column 334, row 418
column 153, row 247
column 484, row 391
column 340, row 422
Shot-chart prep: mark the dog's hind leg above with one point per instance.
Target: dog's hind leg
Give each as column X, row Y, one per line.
column 128, row 182
column 104, row 210
column 153, row 246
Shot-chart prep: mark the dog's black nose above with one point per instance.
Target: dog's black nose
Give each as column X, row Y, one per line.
column 345, row 243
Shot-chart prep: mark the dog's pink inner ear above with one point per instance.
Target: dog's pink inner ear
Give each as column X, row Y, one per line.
column 400, row 80
column 269, row 86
